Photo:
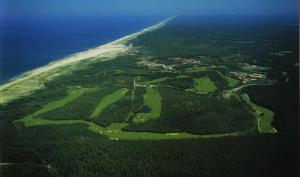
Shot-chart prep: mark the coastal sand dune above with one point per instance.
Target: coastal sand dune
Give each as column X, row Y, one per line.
column 33, row 80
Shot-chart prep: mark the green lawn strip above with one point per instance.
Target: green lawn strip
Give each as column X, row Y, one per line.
column 152, row 99
column 203, row 68
column 73, row 94
column 156, row 81
column 114, row 131
column 109, row 99
column 32, row 122
column 264, row 116
column 203, row 85
column 218, row 67
column 147, row 136
column 230, row 81
column 197, row 69
column 182, row 77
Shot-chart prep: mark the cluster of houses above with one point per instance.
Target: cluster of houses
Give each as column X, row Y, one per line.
column 153, row 64
column 247, row 77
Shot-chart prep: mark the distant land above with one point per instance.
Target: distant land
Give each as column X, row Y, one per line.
column 186, row 96
column 32, row 42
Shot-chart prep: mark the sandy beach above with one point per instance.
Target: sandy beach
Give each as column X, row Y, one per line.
column 33, row 80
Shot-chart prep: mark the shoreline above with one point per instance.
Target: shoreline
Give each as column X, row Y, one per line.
column 10, row 90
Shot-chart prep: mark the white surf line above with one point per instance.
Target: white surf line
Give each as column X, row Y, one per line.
column 115, row 47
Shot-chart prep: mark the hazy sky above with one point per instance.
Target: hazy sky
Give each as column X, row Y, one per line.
column 172, row 7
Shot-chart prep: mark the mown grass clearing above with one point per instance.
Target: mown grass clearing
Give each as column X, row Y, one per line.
column 197, row 69
column 152, row 99
column 203, row 68
column 230, row 81
column 264, row 116
column 156, row 81
column 203, row 85
column 73, row 94
column 109, row 99
column 114, row 131
column 33, row 120
column 182, row 77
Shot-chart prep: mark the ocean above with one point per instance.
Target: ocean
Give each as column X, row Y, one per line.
column 28, row 43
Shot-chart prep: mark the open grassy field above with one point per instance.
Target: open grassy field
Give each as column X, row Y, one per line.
column 264, row 116
column 73, row 94
column 106, row 101
column 114, row 131
column 156, row 81
column 204, row 85
column 152, row 99
column 197, row 69
column 230, row 80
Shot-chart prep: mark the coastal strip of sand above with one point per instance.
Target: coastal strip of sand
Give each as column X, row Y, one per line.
column 28, row 82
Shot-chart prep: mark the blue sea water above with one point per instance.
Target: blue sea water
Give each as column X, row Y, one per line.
column 27, row 43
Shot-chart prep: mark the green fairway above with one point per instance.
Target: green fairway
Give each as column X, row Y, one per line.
column 156, row 80
column 182, row 77
column 152, row 99
column 109, row 99
column 73, row 94
column 230, row 81
column 114, row 131
column 124, row 135
column 197, row 69
column 264, row 116
column 203, row 85
column 32, row 119
column 204, row 68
